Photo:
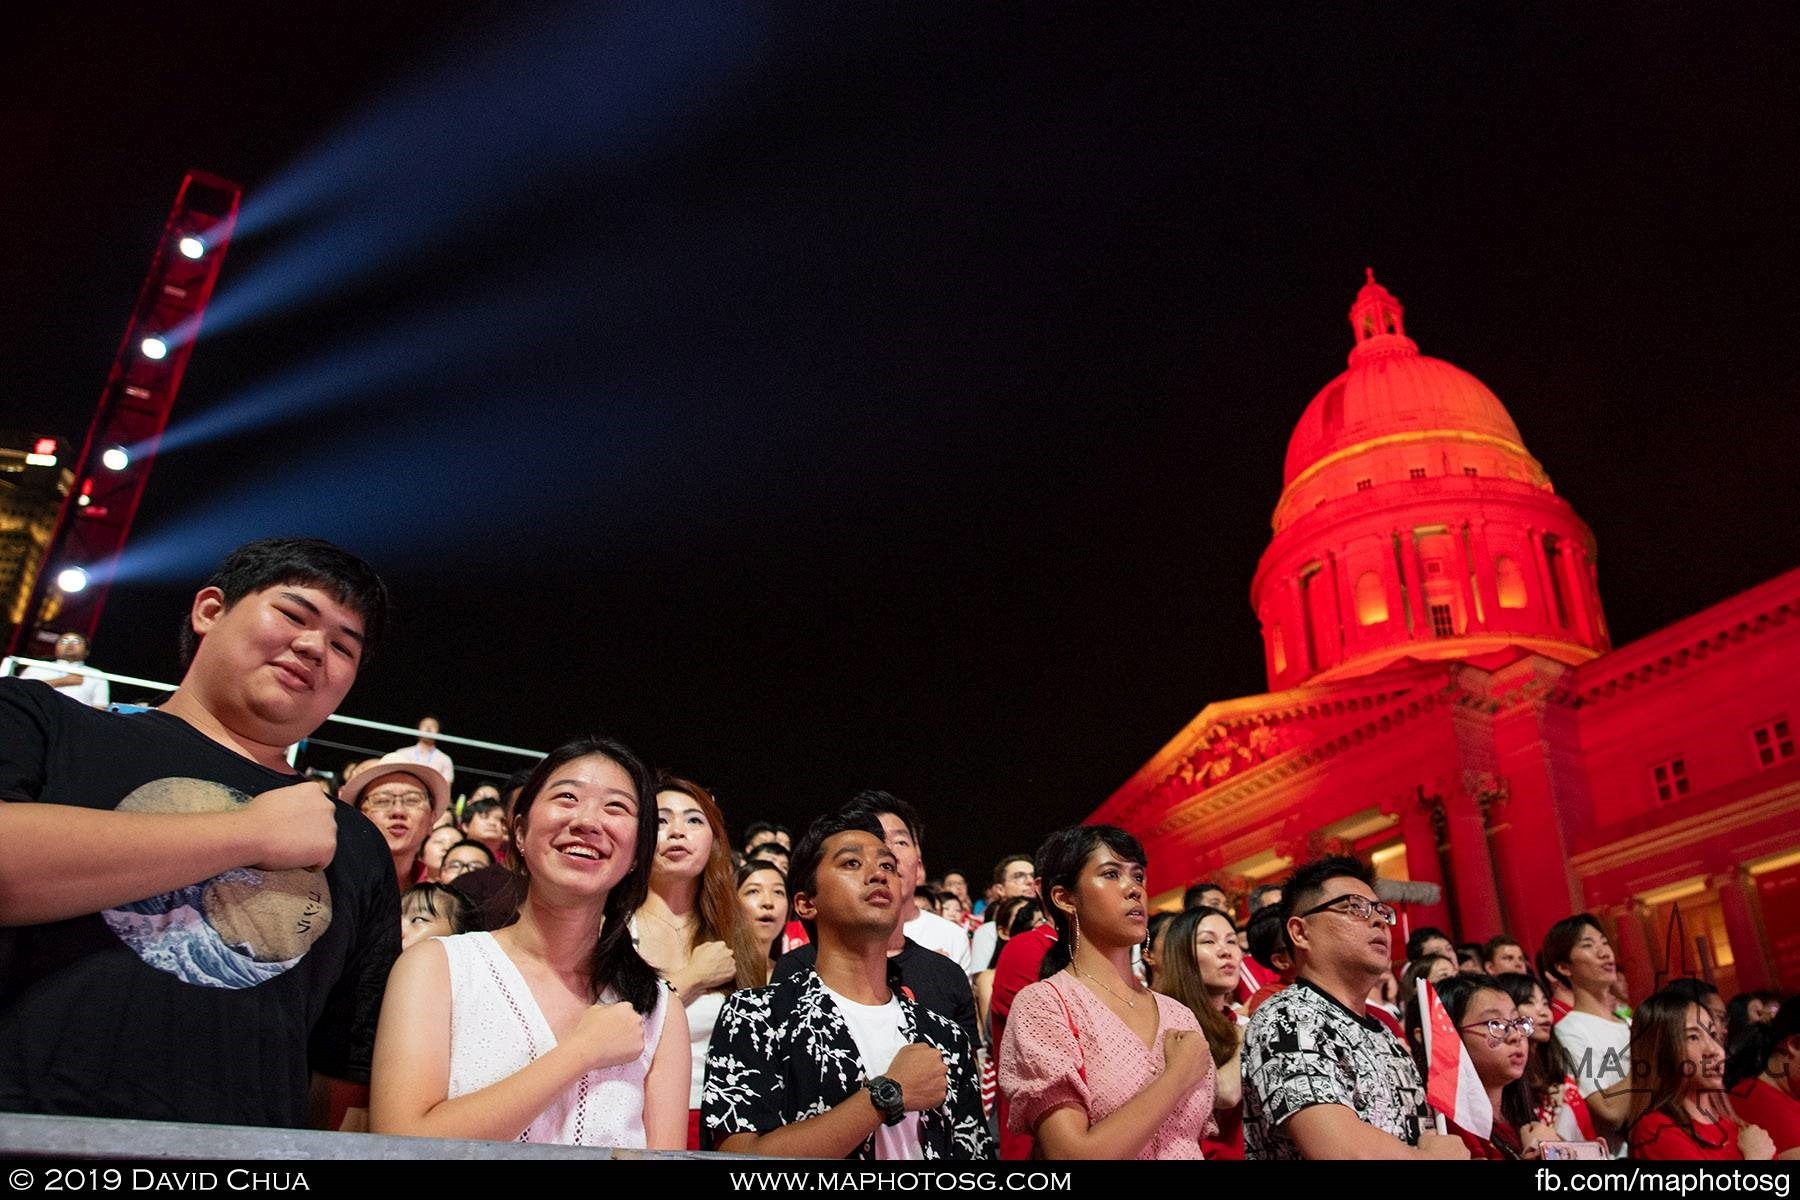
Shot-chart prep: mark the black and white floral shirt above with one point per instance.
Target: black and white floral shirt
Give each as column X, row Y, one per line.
column 783, row 1053
column 1304, row 1048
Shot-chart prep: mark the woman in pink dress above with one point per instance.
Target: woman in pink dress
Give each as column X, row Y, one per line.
column 1093, row 1064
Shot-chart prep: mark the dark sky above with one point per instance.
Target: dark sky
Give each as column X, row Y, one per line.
column 896, row 397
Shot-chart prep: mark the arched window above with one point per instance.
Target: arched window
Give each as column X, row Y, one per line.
column 1510, row 581
column 1278, row 650
column 1371, row 599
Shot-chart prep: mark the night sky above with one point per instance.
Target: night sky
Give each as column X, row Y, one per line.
column 846, row 396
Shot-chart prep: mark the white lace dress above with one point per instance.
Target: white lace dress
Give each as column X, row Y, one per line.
column 497, row 1028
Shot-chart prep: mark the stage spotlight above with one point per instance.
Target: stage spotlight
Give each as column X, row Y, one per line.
column 191, row 247
column 154, row 348
column 114, row 458
column 71, row 579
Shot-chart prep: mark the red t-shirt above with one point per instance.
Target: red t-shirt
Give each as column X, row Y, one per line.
column 1502, row 1144
column 1756, row 1103
column 1016, row 969
column 1657, row 1136
column 1263, row 993
column 1229, row 1145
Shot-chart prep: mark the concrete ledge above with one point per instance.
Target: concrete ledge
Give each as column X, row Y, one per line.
column 29, row 1136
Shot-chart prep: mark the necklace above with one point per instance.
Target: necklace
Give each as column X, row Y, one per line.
column 1126, row 1001
column 678, row 927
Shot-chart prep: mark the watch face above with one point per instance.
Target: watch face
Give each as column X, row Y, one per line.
column 887, row 1097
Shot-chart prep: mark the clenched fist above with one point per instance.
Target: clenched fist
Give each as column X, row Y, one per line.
column 295, row 826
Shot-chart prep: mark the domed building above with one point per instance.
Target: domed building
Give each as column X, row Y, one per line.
column 1444, row 700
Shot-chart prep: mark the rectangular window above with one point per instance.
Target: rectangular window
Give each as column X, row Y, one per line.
column 1774, row 743
column 1434, row 566
column 1441, row 623
column 1670, row 779
column 1363, row 485
column 1415, row 472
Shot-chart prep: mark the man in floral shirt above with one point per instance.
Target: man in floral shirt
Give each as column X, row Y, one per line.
column 1323, row 1078
column 837, row 1061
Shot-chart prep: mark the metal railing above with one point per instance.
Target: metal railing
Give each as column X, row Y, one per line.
column 10, row 666
column 24, row 1135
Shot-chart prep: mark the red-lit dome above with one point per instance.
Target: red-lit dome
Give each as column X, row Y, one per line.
column 1390, row 388
column 1413, row 524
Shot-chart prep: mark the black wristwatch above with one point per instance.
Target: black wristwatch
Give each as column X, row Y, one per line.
column 885, row 1095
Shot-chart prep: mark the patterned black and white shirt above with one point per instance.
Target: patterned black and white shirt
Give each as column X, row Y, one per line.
column 1303, row 1048
column 783, row 1053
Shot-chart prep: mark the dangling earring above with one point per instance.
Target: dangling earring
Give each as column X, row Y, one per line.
column 1073, row 954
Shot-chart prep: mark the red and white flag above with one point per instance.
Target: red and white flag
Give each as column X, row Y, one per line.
column 1451, row 1085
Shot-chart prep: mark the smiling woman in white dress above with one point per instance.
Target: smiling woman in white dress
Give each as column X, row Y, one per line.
column 690, row 926
column 554, row 1029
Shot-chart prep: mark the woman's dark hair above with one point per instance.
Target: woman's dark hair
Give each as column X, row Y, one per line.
column 1416, row 970
column 1456, row 993
column 1560, row 942
column 1157, row 921
column 1024, row 916
column 1267, row 935
column 751, row 866
column 1546, row 1063
column 442, row 900
column 1178, row 977
column 1658, row 1057
column 616, row 960
column 468, row 841
column 1751, row 1050
column 305, row 562
column 1059, row 862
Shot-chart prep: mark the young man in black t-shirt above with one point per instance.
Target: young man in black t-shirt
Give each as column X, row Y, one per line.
column 191, row 929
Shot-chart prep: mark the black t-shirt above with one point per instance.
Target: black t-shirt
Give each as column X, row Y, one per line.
column 209, row 1003
column 934, row 980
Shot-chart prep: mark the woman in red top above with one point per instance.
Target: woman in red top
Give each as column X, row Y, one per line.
column 1200, row 967
column 1498, row 1039
column 1678, row 1067
column 1760, row 1076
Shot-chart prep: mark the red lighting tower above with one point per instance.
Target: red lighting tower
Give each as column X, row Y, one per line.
column 114, row 465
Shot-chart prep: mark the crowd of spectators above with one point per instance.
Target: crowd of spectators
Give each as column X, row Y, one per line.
column 581, row 954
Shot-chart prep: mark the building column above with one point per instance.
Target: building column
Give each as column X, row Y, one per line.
column 1472, row 869
column 1541, row 569
column 1743, row 925
column 1418, row 830
column 1574, row 567
column 1418, row 614
column 1632, row 947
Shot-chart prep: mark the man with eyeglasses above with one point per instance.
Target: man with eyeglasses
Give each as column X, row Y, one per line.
column 403, row 799
column 1322, row 1077
column 1014, row 876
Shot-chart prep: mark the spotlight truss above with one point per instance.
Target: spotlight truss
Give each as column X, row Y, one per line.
column 134, row 407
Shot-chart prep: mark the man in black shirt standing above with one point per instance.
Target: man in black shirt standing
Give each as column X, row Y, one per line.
column 191, row 930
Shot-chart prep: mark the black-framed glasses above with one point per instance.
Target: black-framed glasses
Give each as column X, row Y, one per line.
column 1359, row 908
column 1498, row 1032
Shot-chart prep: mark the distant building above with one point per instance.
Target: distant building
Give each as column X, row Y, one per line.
column 1446, row 701
column 33, row 482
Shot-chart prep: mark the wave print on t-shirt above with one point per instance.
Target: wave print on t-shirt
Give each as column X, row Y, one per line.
column 235, row 930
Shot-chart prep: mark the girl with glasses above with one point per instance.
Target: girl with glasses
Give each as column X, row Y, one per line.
column 1498, row 1040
